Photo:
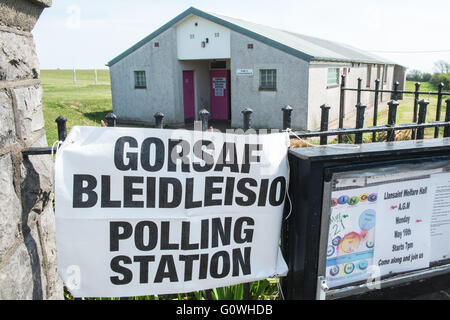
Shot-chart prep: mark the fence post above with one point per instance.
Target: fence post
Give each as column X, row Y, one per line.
column 438, row 108
column 393, row 104
column 247, row 113
column 324, row 122
column 360, row 109
column 287, row 117
column 62, row 128
column 204, row 116
column 341, row 107
column 375, row 108
column 395, row 93
column 358, row 94
column 159, row 116
column 447, row 118
column 416, row 104
column 422, row 116
column 111, row 119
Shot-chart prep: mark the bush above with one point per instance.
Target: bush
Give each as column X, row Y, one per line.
column 418, row 76
column 426, row 77
column 441, row 77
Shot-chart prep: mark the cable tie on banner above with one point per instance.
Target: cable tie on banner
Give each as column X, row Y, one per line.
column 58, row 143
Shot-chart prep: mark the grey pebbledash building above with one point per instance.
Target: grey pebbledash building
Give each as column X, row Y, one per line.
column 205, row 60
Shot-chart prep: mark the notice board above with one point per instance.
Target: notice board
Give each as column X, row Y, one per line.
column 387, row 220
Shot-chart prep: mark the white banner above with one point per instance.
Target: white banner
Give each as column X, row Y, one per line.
column 153, row 211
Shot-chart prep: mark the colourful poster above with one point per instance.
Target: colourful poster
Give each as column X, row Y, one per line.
column 351, row 235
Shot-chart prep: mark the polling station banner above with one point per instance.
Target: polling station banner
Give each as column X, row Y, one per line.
column 153, row 211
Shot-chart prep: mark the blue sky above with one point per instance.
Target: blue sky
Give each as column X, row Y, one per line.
column 86, row 34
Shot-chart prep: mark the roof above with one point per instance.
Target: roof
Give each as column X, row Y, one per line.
column 302, row 46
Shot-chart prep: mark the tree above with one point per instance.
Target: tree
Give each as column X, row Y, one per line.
column 442, row 66
column 414, row 75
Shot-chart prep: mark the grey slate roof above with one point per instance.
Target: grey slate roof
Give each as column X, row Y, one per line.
column 302, row 46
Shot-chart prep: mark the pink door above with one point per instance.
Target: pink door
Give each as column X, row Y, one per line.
column 220, row 98
column 188, row 94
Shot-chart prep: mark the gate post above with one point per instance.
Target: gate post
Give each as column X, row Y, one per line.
column 62, row 128
column 247, row 113
column 422, row 116
column 358, row 94
column 375, row 108
column 159, row 116
column 447, row 118
column 438, row 108
column 416, row 102
column 324, row 122
column 287, row 117
column 341, row 106
column 204, row 116
column 111, row 119
column 360, row 109
column 392, row 118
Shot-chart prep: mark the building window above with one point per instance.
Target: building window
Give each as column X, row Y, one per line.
column 217, row 34
column 139, row 80
column 250, row 46
column 369, row 75
column 385, row 73
column 378, row 72
column 191, row 36
column 267, row 79
column 333, row 76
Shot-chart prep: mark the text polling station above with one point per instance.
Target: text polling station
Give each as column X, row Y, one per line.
column 153, row 211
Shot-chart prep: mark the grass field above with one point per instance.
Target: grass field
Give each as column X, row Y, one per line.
column 83, row 103
column 405, row 109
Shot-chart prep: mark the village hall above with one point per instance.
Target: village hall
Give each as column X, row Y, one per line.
column 201, row 60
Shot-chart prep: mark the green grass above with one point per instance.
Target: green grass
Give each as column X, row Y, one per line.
column 84, row 103
column 405, row 109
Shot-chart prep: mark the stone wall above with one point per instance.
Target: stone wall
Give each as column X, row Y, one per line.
column 27, row 235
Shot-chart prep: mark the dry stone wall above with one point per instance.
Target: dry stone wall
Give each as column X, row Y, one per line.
column 27, row 228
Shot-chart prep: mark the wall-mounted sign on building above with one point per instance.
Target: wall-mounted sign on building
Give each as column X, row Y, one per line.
column 244, row 72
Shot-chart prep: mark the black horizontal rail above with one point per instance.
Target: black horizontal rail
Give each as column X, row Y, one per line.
column 337, row 132
column 38, row 151
column 398, row 91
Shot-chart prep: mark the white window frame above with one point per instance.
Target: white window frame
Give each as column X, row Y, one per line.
column 334, row 80
column 140, row 79
column 268, row 79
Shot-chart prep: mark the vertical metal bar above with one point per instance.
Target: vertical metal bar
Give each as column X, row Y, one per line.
column 416, row 105
column 422, row 116
column 204, row 117
column 159, row 116
column 287, row 116
column 358, row 94
column 62, row 128
column 246, row 295
column 324, row 122
column 247, row 121
column 395, row 93
column 375, row 108
column 341, row 107
column 360, row 109
column 447, row 118
column 111, row 119
column 438, row 108
column 392, row 115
